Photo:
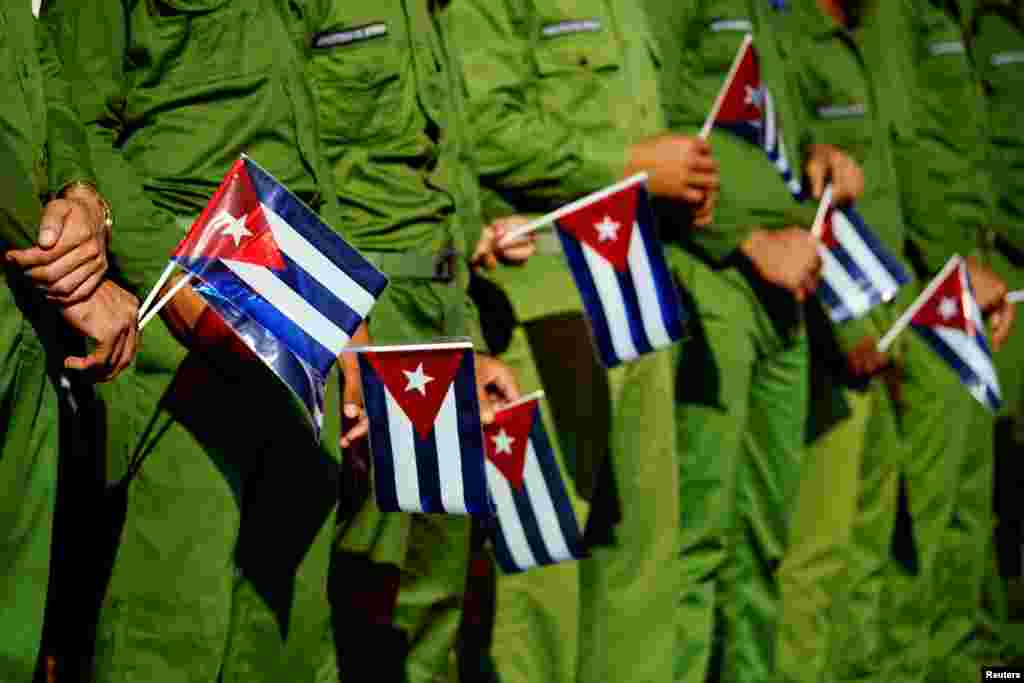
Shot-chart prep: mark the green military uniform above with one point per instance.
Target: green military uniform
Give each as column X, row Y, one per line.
column 742, row 382
column 880, row 619
column 42, row 148
column 996, row 34
column 558, row 91
column 393, row 128
column 221, row 568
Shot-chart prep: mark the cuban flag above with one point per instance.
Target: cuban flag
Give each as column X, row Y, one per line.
column 425, row 434
column 536, row 525
column 618, row 265
column 745, row 107
column 285, row 282
column 947, row 317
column 857, row 272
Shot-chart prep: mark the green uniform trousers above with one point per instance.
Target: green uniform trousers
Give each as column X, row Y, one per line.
column 741, row 407
column 536, row 624
column 221, row 568
column 28, row 477
column 431, row 550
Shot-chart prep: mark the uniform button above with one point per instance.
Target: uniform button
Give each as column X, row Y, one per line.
column 584, row 61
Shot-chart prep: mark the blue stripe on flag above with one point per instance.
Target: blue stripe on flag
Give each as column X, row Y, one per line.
column 505, row 559
column 672, row 313
column 268, row 315
column 556, row 487
column 591, row 300
column 318, row 233
column 749, row 132
column 838, row 311
column 318, row 296
column 633, row 314
column 380, row 437
column 429, row 472
column 967, row 375
column 895, row 268
column 530, row 525
column 840, row 254
column 474, row 477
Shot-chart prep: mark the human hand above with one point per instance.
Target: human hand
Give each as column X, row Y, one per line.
column 786, row 258
column 496, row 385
column 828, row 164
column 110, row 317
column 679, row 167
column 490, row 251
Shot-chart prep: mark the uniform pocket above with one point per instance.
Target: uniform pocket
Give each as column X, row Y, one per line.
column 576, row 47
column 357, row 72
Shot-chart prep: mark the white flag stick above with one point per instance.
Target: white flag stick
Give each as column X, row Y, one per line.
column 167, row 297
column 385, row 348
column 156, row 288
column 532, row 396
column 901, row 323
column 818, row 227
column 538, row 223
column 710, row 120
column 1015, row 297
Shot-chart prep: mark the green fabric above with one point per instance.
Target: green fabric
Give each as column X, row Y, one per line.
column 537, row 612
column 212, row 576
column 699, row 39
column 558, row 89
column 742, row 392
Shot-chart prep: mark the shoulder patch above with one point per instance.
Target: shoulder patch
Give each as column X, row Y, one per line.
column 1004, row 58
column 744, row 25
column 356, row 34
column 946, row 47
column 842, row 111
column 562, row 28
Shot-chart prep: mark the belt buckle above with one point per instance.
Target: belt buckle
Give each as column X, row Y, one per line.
column 444, row 265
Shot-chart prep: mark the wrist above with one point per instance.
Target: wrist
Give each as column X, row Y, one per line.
column 88, row 194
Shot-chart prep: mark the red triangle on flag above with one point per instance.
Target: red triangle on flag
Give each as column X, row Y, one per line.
column 233, row 226
column 418, row 381
column 828, row 235
column 744, row 101
column 506, row 438
column 948, row 304
column 606, row 225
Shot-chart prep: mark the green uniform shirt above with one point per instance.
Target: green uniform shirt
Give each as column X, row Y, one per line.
column 946, row 190
column 558, row 90
column 393, row 125
column 998, row 48
column 700, row 39
column 173, row 92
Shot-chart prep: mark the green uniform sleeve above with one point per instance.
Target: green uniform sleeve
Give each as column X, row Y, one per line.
column 522, row 146
column 92, row 40
column 945, row 189
column 66, row 147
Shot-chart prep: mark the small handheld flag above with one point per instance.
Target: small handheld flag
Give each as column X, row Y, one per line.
column 858, row 272
column 947, row 317
column 536, row 525
column 425, row 436
column 267, row 260
column 619, row 268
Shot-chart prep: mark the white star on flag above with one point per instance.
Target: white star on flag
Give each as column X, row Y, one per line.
column 607, row 229
column 418, row 380
column 947, row 308
column 502, row 442
column 235, row 228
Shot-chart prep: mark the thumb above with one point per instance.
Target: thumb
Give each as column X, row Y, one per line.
column 52, row 223
column 816, row 174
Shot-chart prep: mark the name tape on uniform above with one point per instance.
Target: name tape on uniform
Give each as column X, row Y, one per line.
column 1003, row 58
column 574, row 26
column 946, row 47
column 842, row 111
column 350, row 35
column 744, row 25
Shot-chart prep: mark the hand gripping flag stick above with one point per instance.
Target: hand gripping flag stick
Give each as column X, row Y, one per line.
column 818, row 227
column 901, row 323
column 569, row 208
column 717, row 106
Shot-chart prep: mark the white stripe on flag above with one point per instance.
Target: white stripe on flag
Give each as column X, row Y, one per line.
column 291, row 304
column 508, row 516
column 403, row 455
column 449, row 455
column 970, row 354
column 544, row 507
column 848, row 291
column 610, row 298
column 313, row 261
column 769, row 121
column 644, row 283
column 846, row 234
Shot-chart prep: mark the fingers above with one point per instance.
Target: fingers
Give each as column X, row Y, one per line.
column 1001, row 322
column 359, row 430
column 847, row 180
column 51, row 225
column 73, row 277
column 816, row 174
